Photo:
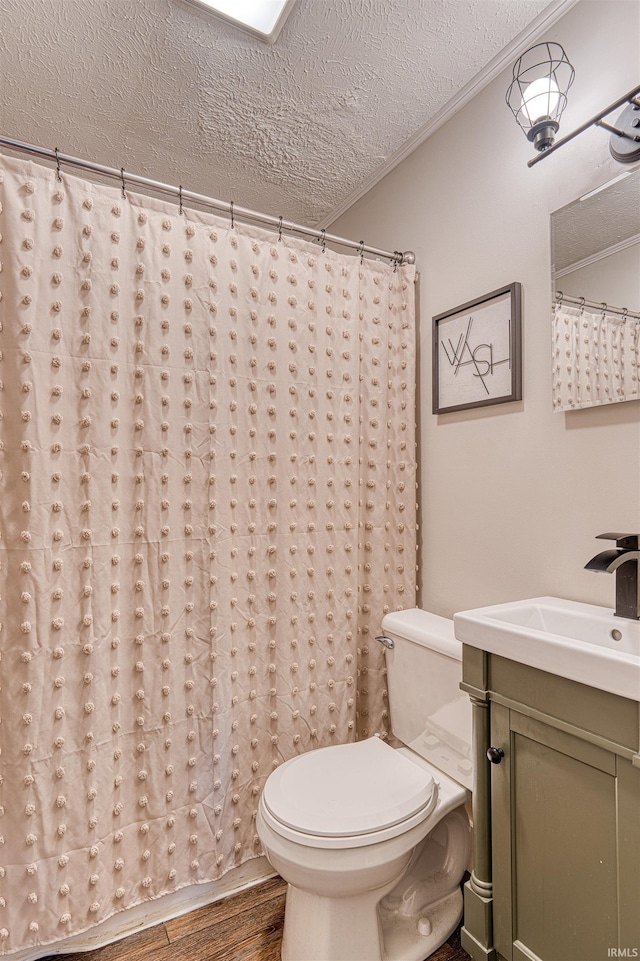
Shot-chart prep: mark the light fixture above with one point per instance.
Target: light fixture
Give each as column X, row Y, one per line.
column 261, row 18
column 537, row 94
column 624, row 142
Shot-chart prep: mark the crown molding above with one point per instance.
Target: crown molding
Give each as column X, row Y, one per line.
column 549, row 16
column 600, row 255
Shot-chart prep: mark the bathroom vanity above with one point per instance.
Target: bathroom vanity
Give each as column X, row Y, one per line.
column 557, row 790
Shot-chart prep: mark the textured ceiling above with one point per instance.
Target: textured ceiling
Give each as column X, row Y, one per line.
column 163, row 89
column 585, row 227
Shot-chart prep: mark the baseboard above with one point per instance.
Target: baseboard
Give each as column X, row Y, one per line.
column 149, row 913
column 477, row 951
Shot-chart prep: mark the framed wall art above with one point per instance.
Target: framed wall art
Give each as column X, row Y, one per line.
column 477, row 352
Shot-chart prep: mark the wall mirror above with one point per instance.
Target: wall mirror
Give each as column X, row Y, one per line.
column 595, row 267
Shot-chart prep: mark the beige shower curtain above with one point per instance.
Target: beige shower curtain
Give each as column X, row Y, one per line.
column 596, row 357
column 207, row 504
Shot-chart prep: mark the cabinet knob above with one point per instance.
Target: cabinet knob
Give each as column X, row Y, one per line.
column 495, row 754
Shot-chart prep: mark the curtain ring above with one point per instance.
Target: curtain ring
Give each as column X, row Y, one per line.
column 180, row 196
column 280, row 230
column 124, row 195
column 324, row 242
column 233, row 223
column 361, row 251
column 559, row 296
column 58, row 175
column 582, row 303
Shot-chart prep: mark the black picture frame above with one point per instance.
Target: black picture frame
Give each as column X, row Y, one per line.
column 467, row 376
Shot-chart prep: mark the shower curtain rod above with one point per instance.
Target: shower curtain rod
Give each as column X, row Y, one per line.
column 581, row 302
column 124, row 177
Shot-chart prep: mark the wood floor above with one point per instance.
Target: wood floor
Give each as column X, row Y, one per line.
column 243, row 927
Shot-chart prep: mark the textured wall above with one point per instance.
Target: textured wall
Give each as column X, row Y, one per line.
column 163, row 89
column 512, row 495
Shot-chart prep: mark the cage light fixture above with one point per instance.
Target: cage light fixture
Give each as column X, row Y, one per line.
column 263, row 19
column 537, row 94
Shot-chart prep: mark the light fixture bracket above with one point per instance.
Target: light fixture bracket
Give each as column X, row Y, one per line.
column 542, row 133
column 624, row 143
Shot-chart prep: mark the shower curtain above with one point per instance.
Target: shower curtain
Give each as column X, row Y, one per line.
column 207, row 504
column 596, row 357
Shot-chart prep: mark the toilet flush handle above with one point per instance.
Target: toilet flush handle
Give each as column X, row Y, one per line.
column 386, row 641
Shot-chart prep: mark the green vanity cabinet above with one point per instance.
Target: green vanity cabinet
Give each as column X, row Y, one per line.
column 556, row 820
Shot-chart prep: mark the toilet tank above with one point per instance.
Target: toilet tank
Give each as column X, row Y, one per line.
column 429, row 712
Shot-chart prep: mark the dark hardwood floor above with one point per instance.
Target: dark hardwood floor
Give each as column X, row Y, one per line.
column 243, row 927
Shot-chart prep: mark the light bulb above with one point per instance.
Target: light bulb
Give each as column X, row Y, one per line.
column 540, row 99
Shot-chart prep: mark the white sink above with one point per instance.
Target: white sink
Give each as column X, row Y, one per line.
column 579, row 641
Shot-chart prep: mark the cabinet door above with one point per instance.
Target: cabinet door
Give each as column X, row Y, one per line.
column 554, row 843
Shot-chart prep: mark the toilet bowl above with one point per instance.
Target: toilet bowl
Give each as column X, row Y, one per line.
column 373, row 840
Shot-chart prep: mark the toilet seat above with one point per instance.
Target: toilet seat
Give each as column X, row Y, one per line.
column 348, row 795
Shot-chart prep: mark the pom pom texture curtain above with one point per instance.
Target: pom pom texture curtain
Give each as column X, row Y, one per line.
column 207, row 504
column 596, row 357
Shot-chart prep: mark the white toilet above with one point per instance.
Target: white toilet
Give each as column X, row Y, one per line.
column 373, row 840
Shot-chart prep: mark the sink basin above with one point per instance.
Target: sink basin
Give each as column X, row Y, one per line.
column 578, row 641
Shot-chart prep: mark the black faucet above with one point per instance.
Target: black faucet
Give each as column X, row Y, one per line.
column 624, row 561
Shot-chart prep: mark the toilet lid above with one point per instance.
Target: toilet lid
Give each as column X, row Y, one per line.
column 347, row 789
